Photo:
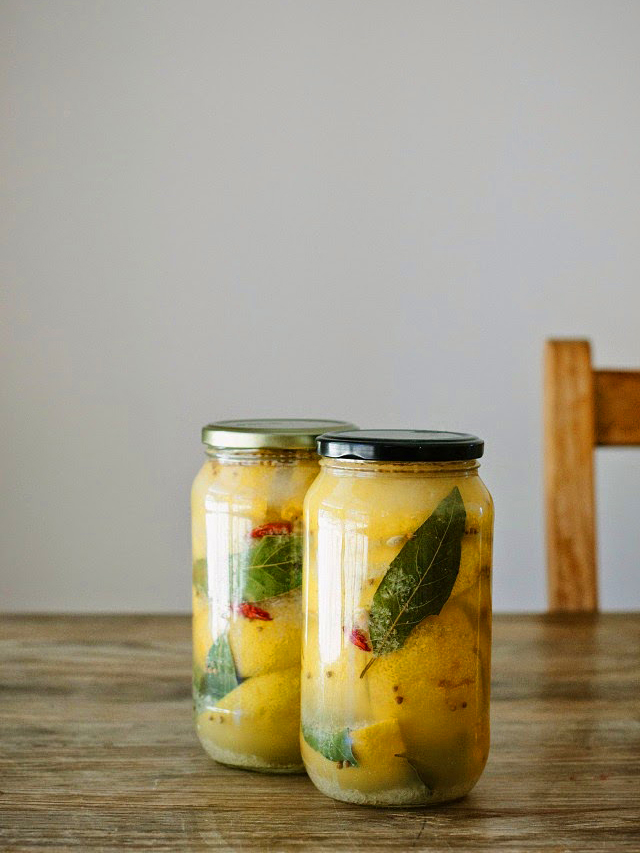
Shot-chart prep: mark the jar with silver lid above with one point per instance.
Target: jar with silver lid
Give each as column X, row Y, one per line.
column 247, row 564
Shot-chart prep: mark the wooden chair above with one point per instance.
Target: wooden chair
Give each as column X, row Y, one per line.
column 583, row 408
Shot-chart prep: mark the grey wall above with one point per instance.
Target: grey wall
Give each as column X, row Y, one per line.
column 347, row 208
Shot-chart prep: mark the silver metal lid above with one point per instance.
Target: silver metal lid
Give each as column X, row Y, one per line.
column 283, row 434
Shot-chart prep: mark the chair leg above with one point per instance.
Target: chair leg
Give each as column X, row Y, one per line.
column 569, row 440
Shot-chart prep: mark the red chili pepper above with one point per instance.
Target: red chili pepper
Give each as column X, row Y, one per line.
column 273, row 528
column 360, row 639
column 252, row 611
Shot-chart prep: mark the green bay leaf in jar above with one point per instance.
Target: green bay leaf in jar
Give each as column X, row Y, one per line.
column 271, row 566
column 420, row 579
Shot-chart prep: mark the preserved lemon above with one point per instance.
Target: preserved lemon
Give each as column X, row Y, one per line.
column 257, row 720
column 262, row 645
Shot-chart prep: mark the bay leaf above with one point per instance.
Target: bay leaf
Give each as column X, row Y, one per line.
column 419, row 579
column 219, row 677
column 272, row 566
column 334, row 745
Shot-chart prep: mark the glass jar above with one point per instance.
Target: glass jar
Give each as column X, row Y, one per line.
column 397, row 628
column 246, row 506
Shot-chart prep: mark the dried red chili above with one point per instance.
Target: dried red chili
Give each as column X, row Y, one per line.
column 252, row 611
column 272, row 528
column 360, row 639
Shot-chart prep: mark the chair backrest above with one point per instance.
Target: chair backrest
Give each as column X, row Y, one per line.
column 583, row 408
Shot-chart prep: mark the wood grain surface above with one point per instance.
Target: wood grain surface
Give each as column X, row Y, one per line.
column 98, row 750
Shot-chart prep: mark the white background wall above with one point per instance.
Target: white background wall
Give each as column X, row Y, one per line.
column 348, row 208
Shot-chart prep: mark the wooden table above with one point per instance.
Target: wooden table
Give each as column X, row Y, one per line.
column 98, row 750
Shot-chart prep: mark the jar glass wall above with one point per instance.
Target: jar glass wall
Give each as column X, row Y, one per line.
column 397, row 631
column 247, row 567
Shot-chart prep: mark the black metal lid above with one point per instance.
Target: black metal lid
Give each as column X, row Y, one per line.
column 400, row 445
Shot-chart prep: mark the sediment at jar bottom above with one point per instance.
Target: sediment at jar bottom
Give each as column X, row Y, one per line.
column 256, row 724
column 396, row 798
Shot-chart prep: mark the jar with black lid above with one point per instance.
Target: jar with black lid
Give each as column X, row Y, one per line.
column 397, row 626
